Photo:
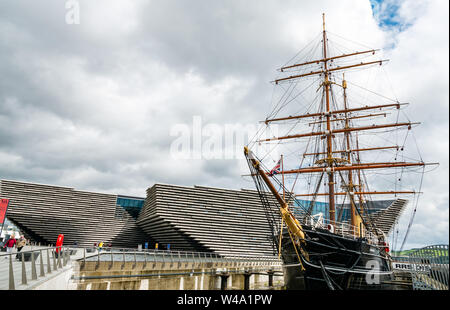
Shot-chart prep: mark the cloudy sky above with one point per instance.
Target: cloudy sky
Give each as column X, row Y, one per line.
column 92, row 100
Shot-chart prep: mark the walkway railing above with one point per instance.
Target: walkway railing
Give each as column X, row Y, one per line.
column 167, row 256
column 35, row 264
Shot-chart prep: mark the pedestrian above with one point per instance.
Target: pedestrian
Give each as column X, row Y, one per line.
column 21, row 243
column 10, row 244
column 100, row 245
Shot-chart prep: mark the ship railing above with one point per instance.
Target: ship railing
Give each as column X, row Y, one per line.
column 340, row 228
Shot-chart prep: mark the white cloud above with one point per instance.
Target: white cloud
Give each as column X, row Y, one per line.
column 91, row 105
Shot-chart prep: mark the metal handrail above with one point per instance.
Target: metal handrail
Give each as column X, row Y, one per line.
column 49, row 261
column 32, row 274
column 170, row 253
column 172, row 256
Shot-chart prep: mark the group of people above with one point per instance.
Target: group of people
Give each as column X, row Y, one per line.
column 101, row 245
column 12, row 243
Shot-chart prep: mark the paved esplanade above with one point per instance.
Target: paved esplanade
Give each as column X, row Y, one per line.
column 18, row 268
column 75, row 267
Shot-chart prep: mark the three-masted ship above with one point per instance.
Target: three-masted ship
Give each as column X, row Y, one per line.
column 325, row 250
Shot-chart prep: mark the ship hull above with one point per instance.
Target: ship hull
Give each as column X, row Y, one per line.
column 335, row 262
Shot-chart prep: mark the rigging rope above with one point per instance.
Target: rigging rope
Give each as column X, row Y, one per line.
column 414, row 212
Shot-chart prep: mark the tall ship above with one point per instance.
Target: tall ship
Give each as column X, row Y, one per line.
column 343, row 150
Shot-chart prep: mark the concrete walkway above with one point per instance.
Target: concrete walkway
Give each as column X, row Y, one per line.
column 18, row 268
column 61, row 278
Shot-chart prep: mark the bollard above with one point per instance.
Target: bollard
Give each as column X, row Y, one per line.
column 12, row 286
column 123, row 259
column 33, row 267
column 54, row 261
column 187, row 260
column 154, row 259
column 24, row 271
column 98, row 261
column 41, row 265
column 49, row 267
column 63, row 253
column 112, row 260
column 67, row 255
column 59, row 259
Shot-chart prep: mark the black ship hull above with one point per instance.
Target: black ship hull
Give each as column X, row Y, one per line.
column 331, row 261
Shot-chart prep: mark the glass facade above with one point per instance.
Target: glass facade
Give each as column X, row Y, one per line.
column 132, row 205
column 322, row 207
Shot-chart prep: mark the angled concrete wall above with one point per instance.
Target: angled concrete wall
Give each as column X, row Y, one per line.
column 45, row 211
column 227, row 222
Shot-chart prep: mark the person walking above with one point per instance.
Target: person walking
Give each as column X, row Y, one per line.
column 10, row 245
column 20, row 244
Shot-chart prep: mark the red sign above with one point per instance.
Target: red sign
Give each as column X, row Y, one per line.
column 59, row 242
column 3, row 207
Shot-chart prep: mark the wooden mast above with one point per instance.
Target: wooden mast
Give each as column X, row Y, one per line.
column 329, row 164
column 350, row 186
column 327, row 84
column 361, row 189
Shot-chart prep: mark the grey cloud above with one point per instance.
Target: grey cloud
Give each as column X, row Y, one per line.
column 92, row 105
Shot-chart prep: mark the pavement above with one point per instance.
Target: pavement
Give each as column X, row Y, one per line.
column 17, row 268
column 106, row 255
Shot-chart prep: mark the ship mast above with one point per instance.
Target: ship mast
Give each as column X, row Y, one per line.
column 334, row 166
column 327, row 84
column 350, row 186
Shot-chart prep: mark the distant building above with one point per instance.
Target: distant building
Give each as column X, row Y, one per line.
column 223, row 221
column 43, row 212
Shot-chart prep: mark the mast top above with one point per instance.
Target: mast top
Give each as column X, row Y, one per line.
column 323, row 19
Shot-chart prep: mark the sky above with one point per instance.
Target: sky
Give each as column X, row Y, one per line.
column 93, row 94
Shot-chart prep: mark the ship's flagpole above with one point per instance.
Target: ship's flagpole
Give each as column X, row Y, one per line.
column 327, row 84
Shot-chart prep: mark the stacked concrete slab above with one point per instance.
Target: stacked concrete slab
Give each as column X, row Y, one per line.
column 45, row 211
column 386, row 218
column 227, row 222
